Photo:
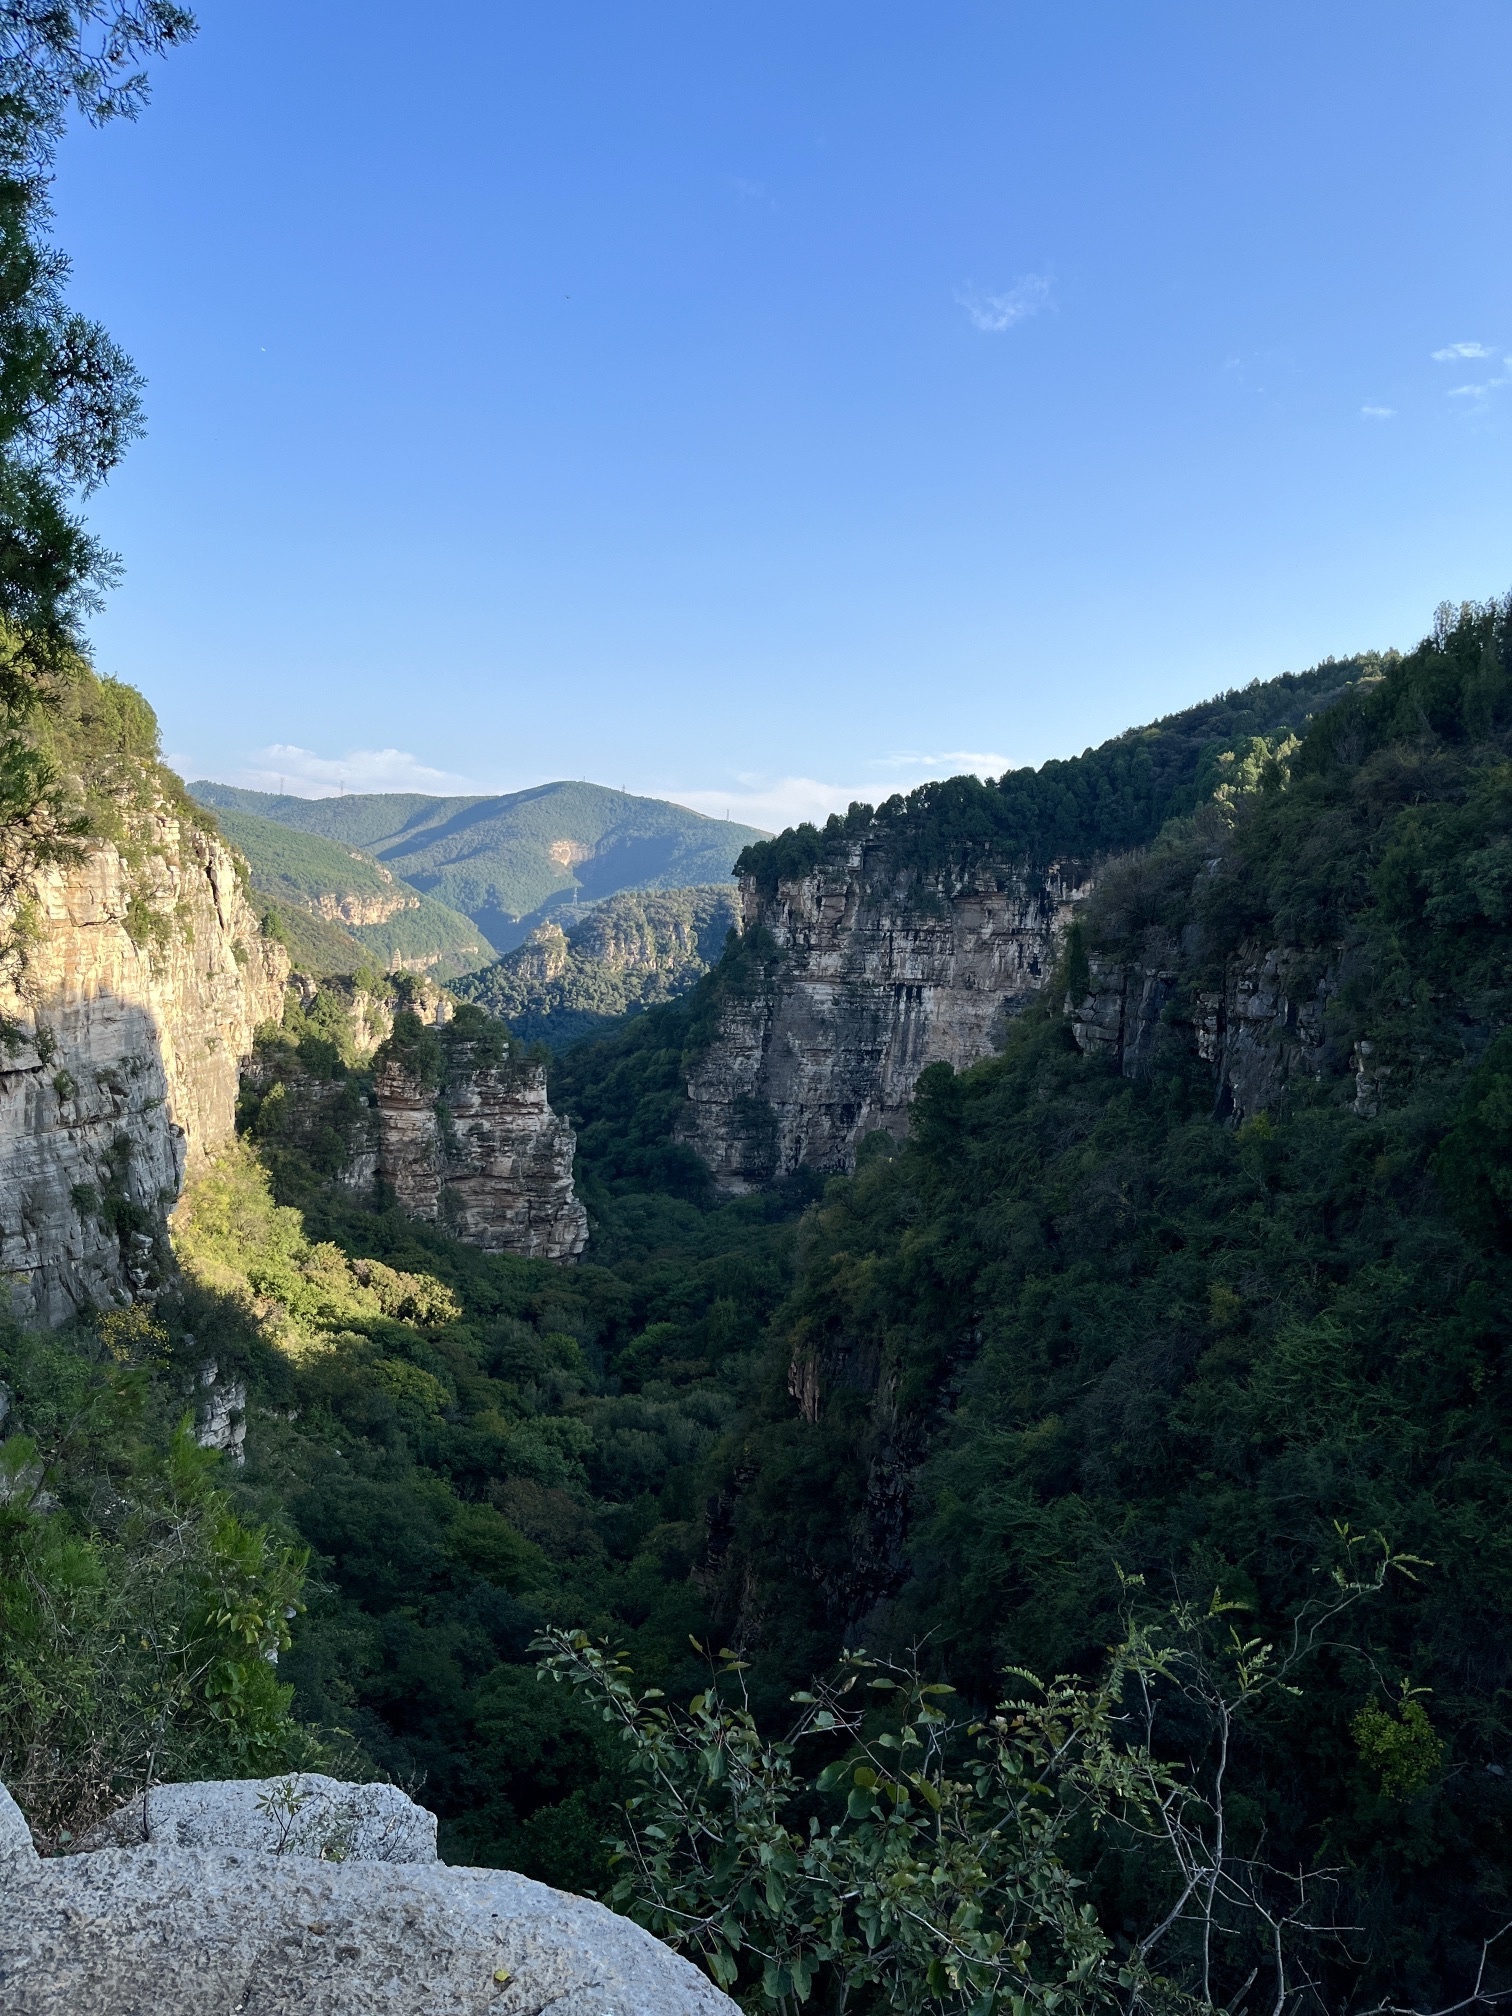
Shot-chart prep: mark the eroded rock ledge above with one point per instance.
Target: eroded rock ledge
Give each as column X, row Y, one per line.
column 1265, row 1030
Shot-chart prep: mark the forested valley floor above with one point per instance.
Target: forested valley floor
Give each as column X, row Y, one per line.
column 1079, row 1351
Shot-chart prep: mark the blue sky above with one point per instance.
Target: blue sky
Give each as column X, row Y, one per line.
column 766, row 405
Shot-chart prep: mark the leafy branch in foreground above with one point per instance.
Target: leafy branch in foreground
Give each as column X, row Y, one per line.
column 942, row 1886
column 940, row 1863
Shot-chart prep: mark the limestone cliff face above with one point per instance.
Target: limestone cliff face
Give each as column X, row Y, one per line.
column 485, row 1156
column 120, row 1047
column 870, row 979
column 347, row 908
column 1263, row 1031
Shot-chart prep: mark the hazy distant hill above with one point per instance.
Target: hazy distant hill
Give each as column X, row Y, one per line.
column 339, row 908
column 510, row 862
column 636, row 949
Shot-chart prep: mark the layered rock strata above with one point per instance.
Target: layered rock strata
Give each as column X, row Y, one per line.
column 484, row 1156
column 219, row 1913
column 120, row 1048
column 870, row 979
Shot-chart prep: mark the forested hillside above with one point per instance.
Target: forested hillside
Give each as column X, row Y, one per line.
column 511, row 862
column 1082, row 1329
column 630, row 951
column 336, row 907
column 1116, row 796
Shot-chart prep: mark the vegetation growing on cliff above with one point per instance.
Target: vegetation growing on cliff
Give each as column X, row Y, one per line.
column 69, row 406
column 138, row 1612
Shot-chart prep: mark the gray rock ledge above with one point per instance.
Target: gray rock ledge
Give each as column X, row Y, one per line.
column 156, row 1930
column 303, row 1814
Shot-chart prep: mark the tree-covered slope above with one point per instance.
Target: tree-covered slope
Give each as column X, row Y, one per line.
column 631, row 951
column 311, row 882
column 509, row 862
column 1074, row 808
column 1081, row 1329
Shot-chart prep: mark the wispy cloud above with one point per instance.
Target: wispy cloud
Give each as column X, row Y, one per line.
column 925, row 763
column 1451, row 351
column 1378, row 412
column 993, row 313
column 1486, row 386
column 301, row 773
column 756, row 799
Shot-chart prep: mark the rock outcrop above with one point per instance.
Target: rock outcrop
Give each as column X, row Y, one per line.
column 1264, row 1030
column 482, row 1154
column 204, row 1924
column 871, row 978
column 351, row 906
column 369, row 1017
column 308, row 1109
column 120, row 1048
column 852, row 982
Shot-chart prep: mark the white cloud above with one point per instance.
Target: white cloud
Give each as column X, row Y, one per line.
column 302, row 774
column 774, row 802
column 1451, row 351
column 993, row 313
column 1378, row 412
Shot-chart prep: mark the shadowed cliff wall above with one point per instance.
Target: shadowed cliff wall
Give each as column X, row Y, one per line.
column 145, row 976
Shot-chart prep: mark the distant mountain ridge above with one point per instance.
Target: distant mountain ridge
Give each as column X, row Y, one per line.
column 513, row 861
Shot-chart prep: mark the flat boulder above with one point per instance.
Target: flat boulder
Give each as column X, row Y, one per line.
column 160, row 1929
